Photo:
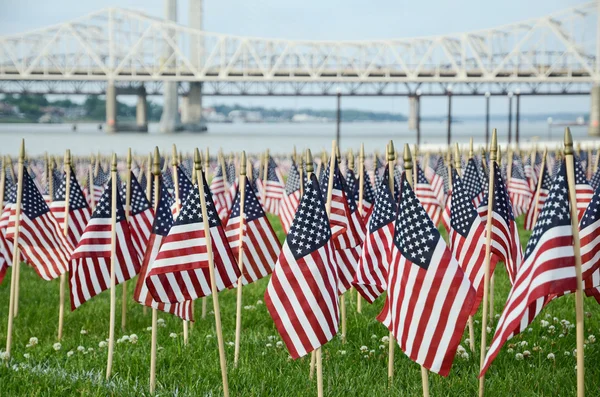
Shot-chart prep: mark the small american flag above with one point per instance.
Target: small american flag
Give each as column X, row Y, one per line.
column 185, row 187
column 290, row 198
column 221, row 196
column 79, row 210
column 472, row 183
column 427, row 197
column 368, row 195
column 518, row 187
column 429, row 297
column 467, row 238
column 583, row 189
column 41, row 239
column 100, row 183
column 89, row 269
column 302, row 293
column 261, row 247
column 371, row 275
column 141, row 217
column 274, row 187
column 595, row 182
column 548, row 268
column 160, row 229
column 6, row 246
column 180, row 271
column 439, row 181
column 542, row 196
column 590, row 244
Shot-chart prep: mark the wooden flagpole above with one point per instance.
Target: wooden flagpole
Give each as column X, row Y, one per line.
column 156, row 174
column 488, row 247
column 361, row 192
column 206, row 169
column 175, row 173
column 211, row 269
column 16, row 252
column 238, row 309
column 577, row 248
column 596, row 161
column 127, row 215
column 113, row 260
column 149, row 176
column 493, row 275
column 539, row 186
column 391, row 158
column 457, row 165
column 265, row 177
column 63, row 277
column 408, row 166
column 91, row 183
column 342, row 297
column 309, row 171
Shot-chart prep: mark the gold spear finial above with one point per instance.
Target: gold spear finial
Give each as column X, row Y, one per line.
column 391, row 153
column 471, row 154
column 156, row 162
column 361, row 155
column 338, row 158
column 174, row 160
column 408, row 164
column 457, row 164
column 129, row 159
column 67, row 158
column 351, row 160
column 22, row 151
column 243, row 164
column 494, row 145
column 568, row 142
column 309, row 162
column 113, row 164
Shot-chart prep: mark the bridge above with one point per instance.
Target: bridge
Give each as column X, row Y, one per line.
column 128, row 52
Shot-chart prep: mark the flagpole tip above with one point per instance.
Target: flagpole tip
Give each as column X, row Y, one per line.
column 113, row 164
column 67, row 157
column 351, row 160
column 457, row 164
column 545, row 151
column 174, row 159
column 499, row 155
column 471, row 148
column 362, row 151
column 494, row 143
column 407, row 157
column 197, row 160
column 243, row 164
column 129, row 159
column 309, row 162
column 568, row 141
column 391, row 153
column 22, row 151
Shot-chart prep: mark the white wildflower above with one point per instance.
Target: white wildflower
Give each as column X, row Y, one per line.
column 364, row 349
column 70, row 353
column 544, row 323
column 524, row 343
column 529, row 329
column 561, row 335
column 209, row 336
column 271, row 337
column 32, row 341
column 381, row 347
column 385, row 339
column 230, row 343
column 83, row 332
column 464, row 355
column 80, row 348
column 488, row 329
column 510, row 350
column 269, row 345
column 148, row 329
column 551, row 356
column 526, row 353
column 27, row 355
column 592, row 339
column 90, row 349
column 279, row 344
column 133, row 338
column 373, row 336
column 547, row 315
column 102, row 344
column 342, row 352
column 57, row 346
column 519, row 357
column 567, row 353
column 173, row 335
column 259, row 303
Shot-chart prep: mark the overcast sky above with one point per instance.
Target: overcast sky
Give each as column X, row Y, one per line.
column 326, row 20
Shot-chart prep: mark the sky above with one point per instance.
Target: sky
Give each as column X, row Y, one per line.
column 326, row 20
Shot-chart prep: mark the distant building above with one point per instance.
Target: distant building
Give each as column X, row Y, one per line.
column 6, row 109
column 245, row 116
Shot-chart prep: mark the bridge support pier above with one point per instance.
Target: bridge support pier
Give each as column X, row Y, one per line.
column 414, row 117
column 141, row 111
column 191, row 109
column 594, row 128
column 111, row 108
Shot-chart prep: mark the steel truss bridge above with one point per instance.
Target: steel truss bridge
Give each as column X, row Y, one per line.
column 557, row 54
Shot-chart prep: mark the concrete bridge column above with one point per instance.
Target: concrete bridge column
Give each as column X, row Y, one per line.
column 191, row 109
column 141, row 111
column 111, row 107
column 594, row 128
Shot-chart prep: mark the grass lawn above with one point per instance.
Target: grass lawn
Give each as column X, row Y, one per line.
column 265, row 368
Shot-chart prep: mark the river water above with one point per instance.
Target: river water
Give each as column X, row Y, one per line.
column 278, row 137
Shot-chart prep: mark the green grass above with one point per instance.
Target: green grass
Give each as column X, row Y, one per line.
column 265, row 369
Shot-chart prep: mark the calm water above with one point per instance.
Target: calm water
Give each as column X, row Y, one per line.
column 278, row 137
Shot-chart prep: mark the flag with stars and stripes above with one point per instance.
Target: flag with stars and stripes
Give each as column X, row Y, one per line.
column 41, row 239
column 141, row 217
column 79, row 210
column 100, row 182
column 595, row 182
column 371, row 274
column 583, row 189
column 6, row 246
column 427, row 197
column 220, row 193
column 439, row 180
column 273, row 186
column 290, row 198
column 161, row 226
column 471, row 180
column 429, row 298
column 261, row 246
column 368, row 199
column 533, row 213
column 302, row 294
column 505, row 235
column 548, row 268
column 185, row 187
column 467, row 238
column 518, row 187
column 180, row 271
column 590, row 246
column 232, row 178
column 89, row 268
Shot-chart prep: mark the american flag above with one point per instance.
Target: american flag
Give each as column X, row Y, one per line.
column 427, row 197
column 371, row 275
column 89, row 268
column 467, row 238
column 79, row 210
column 302, row 293
column 368, row 195
column 290, row 198
column 100, row 183
column 583, row 189
column 274, row 187
column 185, row 187
column 518, row 187
column 141, row 217
column 505, row 236
column 6, row 246
column 595, row 182
column 429, row 298
column 439, row 180
column 542, row 196
column 548, row 268
column 160, row 229
column 180, row 271
column 590, row 244
column 471, row 181
column 231, row 177
column 221, row 195
column 261, row 246
column 41, row 239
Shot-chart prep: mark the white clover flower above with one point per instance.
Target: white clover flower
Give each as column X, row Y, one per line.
column 567, row 353
column 173, row 335
column 159, row 348
column 373, row 336
column 526, row 353
column 269, row 345
column 133, row 338
column 460, row 349
column 561, row 335
column 148, row 329
column 497, row 316
column 32, row 341
column 550, row 356
column 342, row 352
column 3, row 355
column 125, row 338
column 279, row 344
column 371, row 351
column 592, row 339
column 90, row 349
column 83, row 332
column 385, row 339
column 555, row 319
column 366, row 356
column 544, row 323
column 519, row 357
column 26, row 356
column 381, row 347
column 250, row 307
column 464, row 355
column 364, row 349
column 467, row 341
column 102, row 344
column 160, row 321
column 271, row 337
column 80, row 348
column 547, row 315
column 488, row 329
column 529, row 329
column 57, row 346
column 476, row 321
column 230, row 343
column 544, row 337
column 551, row 328
column 70, row 353
column 259, row 303
column 510, row 350
column 524, row 343
column 209, row 336
column 120, row 340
